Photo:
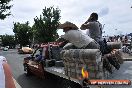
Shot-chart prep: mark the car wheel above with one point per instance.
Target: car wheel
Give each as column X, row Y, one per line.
column 27, row 70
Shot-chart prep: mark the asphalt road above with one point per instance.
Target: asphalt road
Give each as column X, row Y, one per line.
column 15, row 61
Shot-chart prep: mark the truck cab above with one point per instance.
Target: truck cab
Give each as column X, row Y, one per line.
column 47, row 55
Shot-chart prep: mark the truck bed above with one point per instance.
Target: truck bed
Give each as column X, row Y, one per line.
column 125, row 72
column 59, row 71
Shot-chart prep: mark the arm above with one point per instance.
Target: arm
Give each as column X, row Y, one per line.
column 86, row 25
column 9, row 83
column 89, row 20
column 60, row 40
column 83, row 26
column 63, row 43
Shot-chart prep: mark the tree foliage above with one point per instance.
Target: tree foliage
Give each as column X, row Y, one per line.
column 5, row 8
column 45, row 26
column 8, row 40
column 23, row 33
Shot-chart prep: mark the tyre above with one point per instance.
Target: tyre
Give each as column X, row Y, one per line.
column 27, row 70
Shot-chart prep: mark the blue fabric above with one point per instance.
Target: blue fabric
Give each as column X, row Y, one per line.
column 104, row 48
column 39, row 57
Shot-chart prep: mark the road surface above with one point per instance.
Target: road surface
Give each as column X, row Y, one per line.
column 15, row 61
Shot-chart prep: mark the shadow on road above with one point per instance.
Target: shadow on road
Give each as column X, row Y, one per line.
column 35, row 82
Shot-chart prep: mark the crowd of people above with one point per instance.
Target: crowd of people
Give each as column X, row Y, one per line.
column 124, row 39
column 119, row 38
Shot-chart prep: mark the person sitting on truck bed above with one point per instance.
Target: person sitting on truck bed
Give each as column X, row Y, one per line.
column 77, row 37
column 94, row 30
column 93, row 26
column 39, row 57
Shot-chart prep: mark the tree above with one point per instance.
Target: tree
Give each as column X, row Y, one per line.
column 5, row 8
column 23, row 33
column 8, row 40
column 45, row 26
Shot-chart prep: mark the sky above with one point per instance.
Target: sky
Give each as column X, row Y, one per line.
column 115, row 14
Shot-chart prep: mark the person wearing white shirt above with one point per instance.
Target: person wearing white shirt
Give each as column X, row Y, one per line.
column 77, row 37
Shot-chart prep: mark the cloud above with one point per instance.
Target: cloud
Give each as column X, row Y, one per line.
column 114, row 14
column 104, row 11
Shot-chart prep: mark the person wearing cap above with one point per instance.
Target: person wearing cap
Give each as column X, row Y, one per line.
column 77, row 37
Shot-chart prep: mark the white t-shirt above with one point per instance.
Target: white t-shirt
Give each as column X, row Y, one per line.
column 77, row 38
column 87, row 32
column 2, row 75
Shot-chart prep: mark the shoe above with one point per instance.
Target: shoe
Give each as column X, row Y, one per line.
column 113, row 62
column 107, row 66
